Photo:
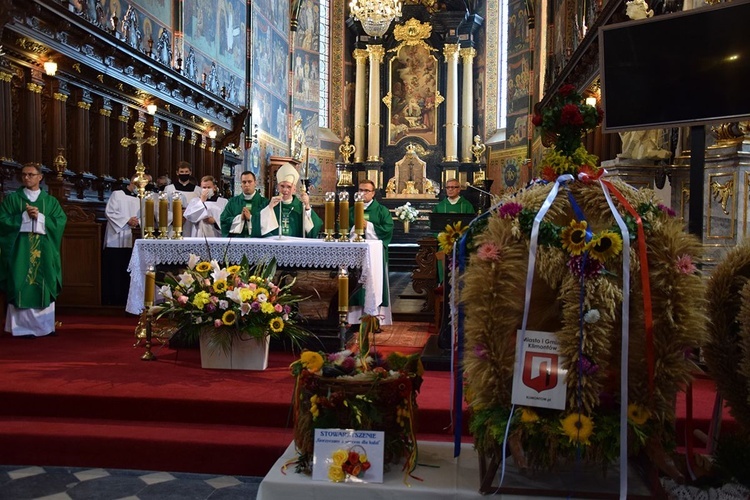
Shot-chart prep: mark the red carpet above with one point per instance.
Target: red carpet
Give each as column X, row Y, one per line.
column 85, row 398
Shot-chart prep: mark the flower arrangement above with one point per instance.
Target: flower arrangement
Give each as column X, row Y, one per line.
column 236, row 301
column 406, row 213
column 449, row 237
column 577, row 294
column 347, row 463
column 357, row 389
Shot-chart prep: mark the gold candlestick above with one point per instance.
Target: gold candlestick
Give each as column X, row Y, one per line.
column 148, row 302
column 330, row 215
column 344, row 216
column 163, row 217
column 149, row 218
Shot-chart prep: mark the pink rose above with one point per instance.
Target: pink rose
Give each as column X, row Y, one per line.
column 217, row 323
column 278, row 308
column 182, row 299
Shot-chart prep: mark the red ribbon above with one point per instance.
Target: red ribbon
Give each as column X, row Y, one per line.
column 648, row 317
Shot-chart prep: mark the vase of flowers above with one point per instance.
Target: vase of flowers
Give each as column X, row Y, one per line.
column 231, row 309
column 406, row 214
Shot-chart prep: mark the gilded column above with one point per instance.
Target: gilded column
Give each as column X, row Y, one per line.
column 121, row 168
column 360, row 94
column 451, row 102
column 101, row 164
column 467, row 102
column 6, row 117
column 376, row 53
column 32, row 133
column 81, row 136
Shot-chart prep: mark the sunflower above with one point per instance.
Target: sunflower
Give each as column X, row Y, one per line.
column 260, row 290
column 578, row 428
column 229, row 317
column 450, row 236
column 203, row 267
column 528, row 416
column 220, row 286
column 311, row 360
column 605, row 245
column 637, row 414
column 277, row 326
column 574, row 237
column 233, row 269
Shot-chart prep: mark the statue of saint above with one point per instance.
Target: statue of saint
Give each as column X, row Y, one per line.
column 298, row 140
column 642, row 145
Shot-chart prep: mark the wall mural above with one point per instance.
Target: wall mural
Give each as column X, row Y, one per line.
column 270, row 76
column 270, row 114
column 306, row 79
column 413, row 88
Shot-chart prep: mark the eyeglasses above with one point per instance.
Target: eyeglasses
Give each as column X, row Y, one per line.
column 365, row 190
column 27, row 174
column 452, row 187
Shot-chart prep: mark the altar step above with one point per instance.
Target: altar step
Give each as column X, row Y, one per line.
column 402, row 257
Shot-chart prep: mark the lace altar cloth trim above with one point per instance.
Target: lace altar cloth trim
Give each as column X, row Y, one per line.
column 289, row 252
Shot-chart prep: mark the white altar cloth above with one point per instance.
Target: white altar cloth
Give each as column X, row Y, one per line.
column 289, row 252
column 443, row 477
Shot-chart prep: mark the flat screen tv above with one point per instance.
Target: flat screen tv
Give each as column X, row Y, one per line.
column 682, row 69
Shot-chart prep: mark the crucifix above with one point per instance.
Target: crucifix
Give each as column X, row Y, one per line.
column 139, row 140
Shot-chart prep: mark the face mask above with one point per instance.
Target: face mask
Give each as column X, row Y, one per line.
column 210, row 193
column 150, row 187
column 184, row 177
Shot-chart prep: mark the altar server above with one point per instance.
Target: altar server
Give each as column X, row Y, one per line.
column 187, row 190
column 241, row 217
column 295, row 212
column 205, row 211
column 31, row 230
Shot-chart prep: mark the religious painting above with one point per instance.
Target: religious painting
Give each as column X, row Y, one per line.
column 160, row 10
column 413, row 90
column 270, row 53
column 306, row 84
column 508, row 169
column 310, row 125
column 517, row 129
column 270, row 113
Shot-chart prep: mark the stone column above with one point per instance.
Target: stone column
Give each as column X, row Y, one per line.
column 467, row 102
column 6, row 117
column 451, row 101
column 101, row 162
column 360, row 91
column 376, row 53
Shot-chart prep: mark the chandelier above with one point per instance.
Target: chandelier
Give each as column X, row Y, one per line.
column 375, row 15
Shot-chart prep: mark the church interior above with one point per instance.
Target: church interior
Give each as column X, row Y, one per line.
column 610, row 223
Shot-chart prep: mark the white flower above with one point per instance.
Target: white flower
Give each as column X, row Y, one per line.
column 219, row 274
column 193, row 261
column 234, row 295
column 165, row 291
column 215, row 265
column 186, row 279
column 223, row 305
column 245, row 308
column 592, row 316
column 261, row 297
column 406, row 213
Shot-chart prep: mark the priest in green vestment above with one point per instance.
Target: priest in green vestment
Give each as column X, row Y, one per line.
column 291, row 214
column 378, row 225
column 242, row 215
column 31, row 229
column 453, row 203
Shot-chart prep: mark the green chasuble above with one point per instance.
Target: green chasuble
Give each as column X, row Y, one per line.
column 291, row 219
column 382, row 222
column 462, row 206
column 30, row 267
column 234, row 208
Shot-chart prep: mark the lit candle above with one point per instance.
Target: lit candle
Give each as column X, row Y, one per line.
column 148, row 296
column 163, row 211
column 177, row 212
column 330, row 214
column 344, row 216
column 343, row 291
column 149, row 222
column 359, row 215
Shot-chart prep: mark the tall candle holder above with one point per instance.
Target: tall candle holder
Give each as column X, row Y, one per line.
column 148, row 218
column 343, row 284
column 359, row 217
column 330, row 216
column 344, row 216
column 163, row 217
column 148, row 303
column 177, row 216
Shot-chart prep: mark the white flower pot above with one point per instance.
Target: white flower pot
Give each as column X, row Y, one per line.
column 245, row 354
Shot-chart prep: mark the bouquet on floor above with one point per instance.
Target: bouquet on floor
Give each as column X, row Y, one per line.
column 237, row 301
column 357, row 389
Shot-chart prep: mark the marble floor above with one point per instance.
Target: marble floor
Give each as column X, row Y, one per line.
column 74, row 483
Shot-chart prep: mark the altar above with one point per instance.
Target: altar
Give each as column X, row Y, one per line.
column 288, row 251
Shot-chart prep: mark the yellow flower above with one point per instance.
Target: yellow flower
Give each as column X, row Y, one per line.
column 605, row 245
column 220, row 286
column 447, row 238
column 574, row 237
column 233, row 269
column 276, row 325
column 528, row 416
column 362, row 458
column 246, row 295
column 314, row 411
column 229, row 318
column 267, row 308
column 637, row 414
column 203, row 267
column 336, row 473
column 260, row 290
column 311, row 360
column 201, row 299
column 339, row 457
column 578, row 428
